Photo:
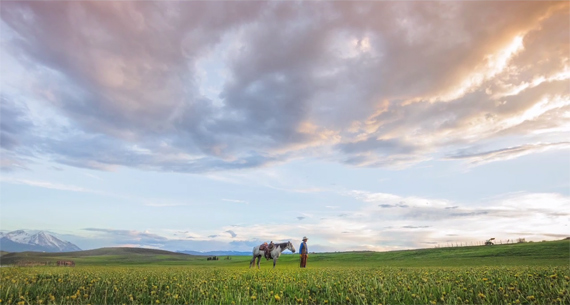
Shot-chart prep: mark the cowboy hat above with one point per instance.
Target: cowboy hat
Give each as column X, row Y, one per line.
column 305, row 238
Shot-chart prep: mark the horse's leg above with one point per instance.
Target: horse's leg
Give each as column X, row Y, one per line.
column 258, row 261
column 274, row 261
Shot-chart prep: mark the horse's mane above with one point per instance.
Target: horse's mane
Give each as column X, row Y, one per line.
column 283, row 246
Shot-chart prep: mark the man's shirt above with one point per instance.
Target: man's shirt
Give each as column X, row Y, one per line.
column 303, row 249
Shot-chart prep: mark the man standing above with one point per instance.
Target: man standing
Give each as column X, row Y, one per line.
column 304, row 250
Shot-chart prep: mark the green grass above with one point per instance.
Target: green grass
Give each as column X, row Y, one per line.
column 287, row 285
column 540, row 253
column 104, row 256
column 543, row 253
column 531, row 273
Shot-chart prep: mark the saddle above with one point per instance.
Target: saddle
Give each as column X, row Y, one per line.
column 267, row 250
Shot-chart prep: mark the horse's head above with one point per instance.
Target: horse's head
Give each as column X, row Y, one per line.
column 290, row 247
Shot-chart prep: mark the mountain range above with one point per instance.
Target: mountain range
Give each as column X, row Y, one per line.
column 41, row 241
column 20, row 241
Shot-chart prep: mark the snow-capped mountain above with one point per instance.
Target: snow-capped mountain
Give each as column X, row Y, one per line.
column 19, row 236
column 20, row 240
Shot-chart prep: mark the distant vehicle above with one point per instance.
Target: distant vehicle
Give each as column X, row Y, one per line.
column 489, row 242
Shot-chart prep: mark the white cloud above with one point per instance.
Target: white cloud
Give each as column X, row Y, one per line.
column 233, row 95
column 236, row 201
column 423, row 222
column 510, row 152
column 45, row 184
column 409, row 222
column 165, row 204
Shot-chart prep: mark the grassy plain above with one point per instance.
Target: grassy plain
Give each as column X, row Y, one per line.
column 531, row 273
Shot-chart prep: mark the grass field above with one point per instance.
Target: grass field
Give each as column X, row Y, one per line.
column 532, row 273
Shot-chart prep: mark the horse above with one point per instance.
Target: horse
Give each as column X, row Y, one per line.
column 275, row 253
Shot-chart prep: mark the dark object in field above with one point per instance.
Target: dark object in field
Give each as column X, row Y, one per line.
column 66, row 263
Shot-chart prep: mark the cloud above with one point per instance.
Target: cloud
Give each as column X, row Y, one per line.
column 434, row 220
column 426, row 222
column 390, row 146
column 510, row 153
column 555, row 235
column 232, row 233
column 466, row 214
column 15, row 130
column 244, row 245
column 48, row 185
column 88, row 175
column 201, row 86
column 236, row 201
column 400, row 204
column 129, row 235
column 298, row 190
column 164, row 240
column 14, row 123
column 160, row 205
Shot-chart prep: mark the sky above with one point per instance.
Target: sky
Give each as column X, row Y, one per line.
column 221, row 125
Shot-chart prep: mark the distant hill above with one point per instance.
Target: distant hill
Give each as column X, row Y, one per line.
column 217, row 253
column 20, row 241
column 523, row 254
column 530, row 253
column 103, row 256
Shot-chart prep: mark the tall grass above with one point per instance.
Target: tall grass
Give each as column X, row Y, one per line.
column 288, row 285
